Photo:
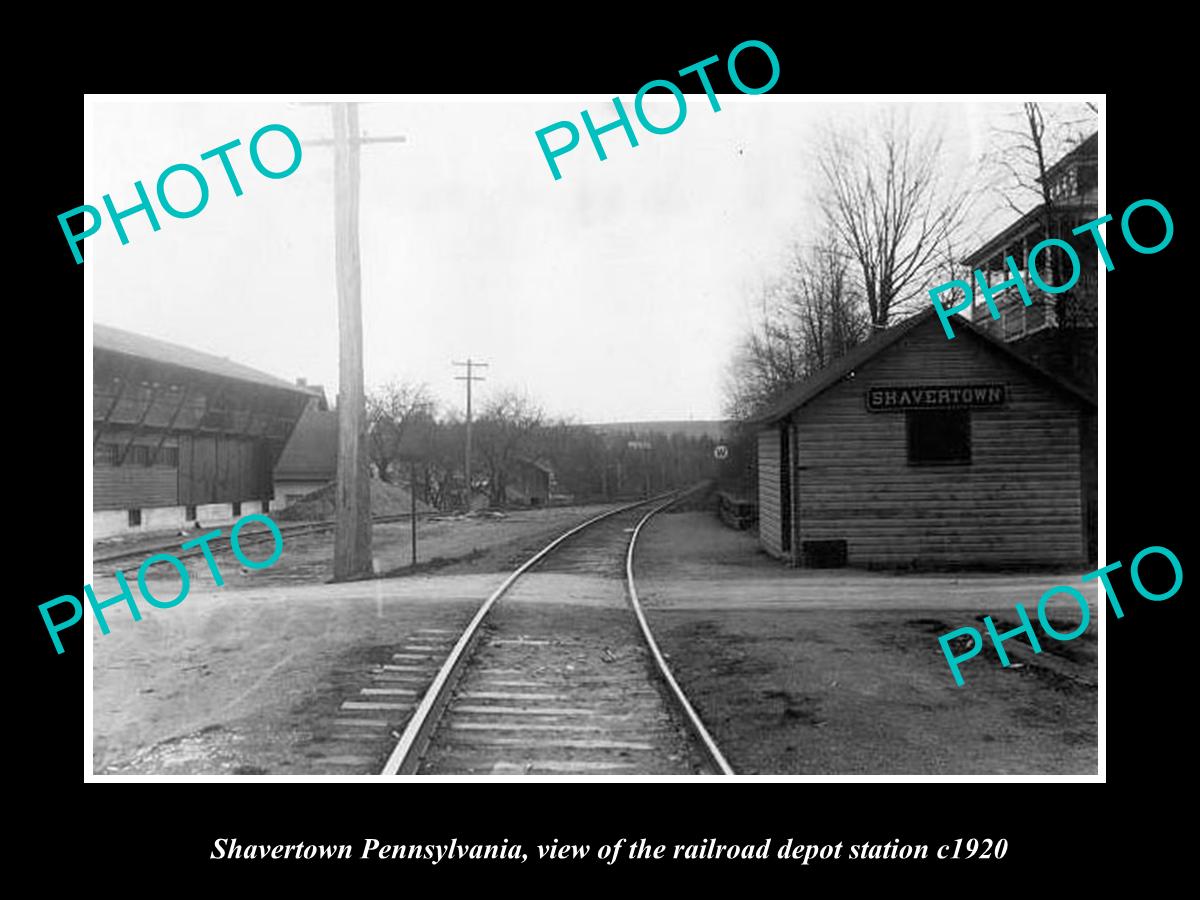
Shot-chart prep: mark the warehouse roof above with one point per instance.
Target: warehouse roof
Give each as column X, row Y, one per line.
column 311, row 452
column 105, row 338
column 834, row 372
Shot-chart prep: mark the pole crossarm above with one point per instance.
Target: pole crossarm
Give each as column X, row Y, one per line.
column 330, row 142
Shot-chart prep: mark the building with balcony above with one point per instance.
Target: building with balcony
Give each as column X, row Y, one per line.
column 1056, row 331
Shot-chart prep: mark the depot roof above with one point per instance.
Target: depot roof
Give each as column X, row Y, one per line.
column 834, row 372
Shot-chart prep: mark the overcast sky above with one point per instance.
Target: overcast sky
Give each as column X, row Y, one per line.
column 616, row 293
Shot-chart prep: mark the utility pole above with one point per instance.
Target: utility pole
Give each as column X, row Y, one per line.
column 468, row 378
column 352, row 536
column 412, row 506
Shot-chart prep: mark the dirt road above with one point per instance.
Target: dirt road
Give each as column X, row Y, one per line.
column 816, row 672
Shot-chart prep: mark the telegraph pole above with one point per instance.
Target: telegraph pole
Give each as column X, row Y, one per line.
column 412, row 506
column 352, row 536
column 468, row 378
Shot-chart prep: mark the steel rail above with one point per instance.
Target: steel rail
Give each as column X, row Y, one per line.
column 715, row 758
column 259, row 535
column 406, row 756
column 254, row 537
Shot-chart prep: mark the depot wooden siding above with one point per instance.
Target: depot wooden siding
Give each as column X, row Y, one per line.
column 1017, row 502
column 769, row 519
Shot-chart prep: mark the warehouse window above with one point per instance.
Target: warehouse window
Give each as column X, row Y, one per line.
column 135, row 518
column 108, row 454
column 189, row 513
column 237, row 508
column 170, row 457
column 938, row 436
column 139, row 455
column 266, row 506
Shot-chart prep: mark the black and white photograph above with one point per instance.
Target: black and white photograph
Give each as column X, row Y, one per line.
column 680, row 435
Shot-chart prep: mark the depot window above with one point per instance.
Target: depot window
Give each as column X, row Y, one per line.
column 939, row 437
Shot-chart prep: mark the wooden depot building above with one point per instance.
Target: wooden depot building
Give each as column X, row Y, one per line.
column 914, row 450
column 179, row 435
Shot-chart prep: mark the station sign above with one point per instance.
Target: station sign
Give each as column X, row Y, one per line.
column 895, row 398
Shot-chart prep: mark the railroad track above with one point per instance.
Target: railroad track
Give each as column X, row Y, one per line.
column 252, row 536
column 247, row 537
column 560, row 680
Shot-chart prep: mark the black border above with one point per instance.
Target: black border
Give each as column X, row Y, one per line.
column 171, row 827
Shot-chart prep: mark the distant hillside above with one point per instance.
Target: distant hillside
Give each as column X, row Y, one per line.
column 713, row 428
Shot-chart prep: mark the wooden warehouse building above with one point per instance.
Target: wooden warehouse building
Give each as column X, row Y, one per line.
column 309, row 461
column 179, row 435
column 913, row 450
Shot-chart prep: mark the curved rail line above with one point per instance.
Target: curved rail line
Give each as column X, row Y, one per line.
column 716, row 759
column 409, row 751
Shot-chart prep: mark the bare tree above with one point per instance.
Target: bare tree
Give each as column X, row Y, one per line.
column 577, row 454
column 807, row 319
column 887, row 201
column 442, row 466
column 504, row 432
column 951, row 265
column 891, row 220
column 394, row 411
column 1022, row 154
column 766, row 362
column 1028, row 146
column 820, row 299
